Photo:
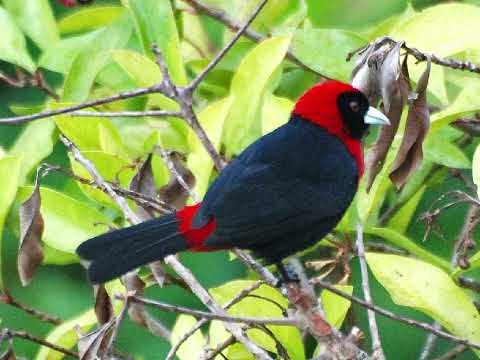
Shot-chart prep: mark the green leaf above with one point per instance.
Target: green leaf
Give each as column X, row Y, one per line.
column 275, row 112
column 404, row 242
column 336, row 307
column 436, row 29
column 155, row 23
column 419, row 285
column 13, row 48
column 53, row 256
column 89, row 19
column 287, row 335
column 441, row 151
column 276, row 13
column 93, row 58
column 110, row 166
column 465, row 103
column 194, row 344
column 199, row 161
column 243, row 124
column 60, row 56
column 95, row 133
column 65, row 336
column 35, row 143
column 68, row 222
column 474, row 262
column 325, row 50
column 144, row 72
column 8, row 165
column 36, row 19
column 401, row 219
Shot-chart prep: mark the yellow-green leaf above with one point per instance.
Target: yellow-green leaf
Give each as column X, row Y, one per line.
column 275, row 112
column 194, row 344
column 427, row 288
column 89, row 19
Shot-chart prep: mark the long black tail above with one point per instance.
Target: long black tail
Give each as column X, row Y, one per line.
column 117, row 252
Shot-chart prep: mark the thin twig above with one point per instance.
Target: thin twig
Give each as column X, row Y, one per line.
column 372, row 322
column 106, row 100
column 391, row 315
column 183, row 96
column 452, row 354
column 421, row 56
column 8, row 299
column 430, row 343
column 36, row 80
column 138, row 198
column 206, row 298
column 118, row 321
column 213, row 316
column 195, row 82
column 218, row 349
column 242, row 294
column 98, row 179
column 40, row 341
column 232, row 24
column 153, row 113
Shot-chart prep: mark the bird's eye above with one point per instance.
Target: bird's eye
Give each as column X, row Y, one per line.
column 354, row 106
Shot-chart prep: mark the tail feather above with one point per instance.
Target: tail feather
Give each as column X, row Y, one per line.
column 113, row 254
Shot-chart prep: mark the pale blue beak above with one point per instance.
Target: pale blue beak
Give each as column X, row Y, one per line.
column 375, row 117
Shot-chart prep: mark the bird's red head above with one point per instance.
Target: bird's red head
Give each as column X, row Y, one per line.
column 342, row 110
column 338, row 107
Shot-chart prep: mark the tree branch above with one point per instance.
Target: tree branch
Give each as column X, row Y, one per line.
column 9, row 300
column 391, row 315
column 421, row 56
column 200, row 323
column 40, row 341
column 372, row 322
column 213, row 316
column 232, row 24
column 195, row 82
column 153, row 113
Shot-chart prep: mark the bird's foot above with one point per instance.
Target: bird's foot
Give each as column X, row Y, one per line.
column 287, row 274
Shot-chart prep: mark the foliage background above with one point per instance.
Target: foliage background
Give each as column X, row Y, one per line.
column 64, row 291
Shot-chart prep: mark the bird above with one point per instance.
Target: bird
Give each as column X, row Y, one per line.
column 280, row 195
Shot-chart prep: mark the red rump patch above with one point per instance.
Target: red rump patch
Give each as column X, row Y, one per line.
column 195, row 237
column 68, row 3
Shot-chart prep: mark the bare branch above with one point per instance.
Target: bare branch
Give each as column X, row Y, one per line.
column 106, row 100
column 153, row 113
column 213, row 316
column 452, row 354
column 195, row 82
column 8, row 299
column 200, row 323
column 249, row 33
column 391, row 315
column 372, row 322
column 430, row 343
column 24, row 335
column 422, row 56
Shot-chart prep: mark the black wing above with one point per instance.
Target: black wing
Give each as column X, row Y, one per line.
column 287, row 181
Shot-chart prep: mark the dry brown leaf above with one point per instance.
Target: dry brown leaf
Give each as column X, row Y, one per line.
column 468, row 126
column 92, row 346
column 103, row 305
column 138, row 313
column 394, row 85
column 410, row 154
column 173, row 193
column 30, row 252
column 144, row 183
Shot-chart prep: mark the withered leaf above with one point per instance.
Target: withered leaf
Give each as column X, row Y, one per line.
column 144, row 183
column 469, row 126
column 94, row 345
column 410, row 154
column 30, row 252
column 103, row 305
column 138, row 313
column 395, row 87
column 174, row 193
column 158, row 272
